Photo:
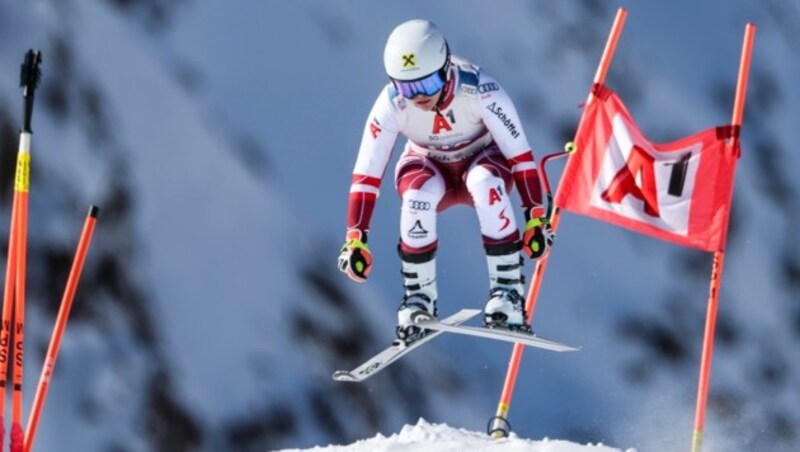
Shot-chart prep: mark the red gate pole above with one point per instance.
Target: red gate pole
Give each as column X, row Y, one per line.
column 719, row 256
column 8, row 307
column 498, row 425
column 30, row 74
column 60, row 325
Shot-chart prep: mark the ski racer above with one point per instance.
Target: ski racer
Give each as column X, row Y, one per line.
column 465, row 145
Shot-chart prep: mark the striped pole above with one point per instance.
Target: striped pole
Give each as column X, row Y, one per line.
column 14, row 290
column 8, row 305
column 719, row 256
column 21, row 189
column 60, row 325
column 30, row 75
column 499, row 426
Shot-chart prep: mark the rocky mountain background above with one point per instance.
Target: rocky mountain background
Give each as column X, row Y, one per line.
column 218, row 143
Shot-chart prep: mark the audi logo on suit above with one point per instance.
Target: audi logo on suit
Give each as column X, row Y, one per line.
column 419, row 205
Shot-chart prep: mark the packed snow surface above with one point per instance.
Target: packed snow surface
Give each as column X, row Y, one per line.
column 427, row 437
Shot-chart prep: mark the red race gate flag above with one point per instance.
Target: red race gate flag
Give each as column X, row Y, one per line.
column 679, row 191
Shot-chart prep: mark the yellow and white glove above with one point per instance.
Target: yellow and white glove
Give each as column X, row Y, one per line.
column 539, row 235
column 355, row 259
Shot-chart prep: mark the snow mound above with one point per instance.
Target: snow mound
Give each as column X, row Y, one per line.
column 427, row 437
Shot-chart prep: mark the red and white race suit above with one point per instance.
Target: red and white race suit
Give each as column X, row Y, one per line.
column 470, row 150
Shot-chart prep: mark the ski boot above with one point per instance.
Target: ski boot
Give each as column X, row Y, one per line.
column 506, row 306
column 419, row 281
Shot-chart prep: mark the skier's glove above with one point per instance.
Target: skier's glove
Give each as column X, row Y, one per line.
column 355, row 259
column 539, row 235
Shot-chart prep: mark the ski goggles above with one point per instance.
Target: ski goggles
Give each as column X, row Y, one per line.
column 427, row 86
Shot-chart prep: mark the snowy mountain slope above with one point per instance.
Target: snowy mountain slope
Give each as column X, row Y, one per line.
column 211, row 280
column 180, row 302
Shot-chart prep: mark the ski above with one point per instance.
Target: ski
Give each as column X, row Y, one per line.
column 397, row 350
column 426, row 321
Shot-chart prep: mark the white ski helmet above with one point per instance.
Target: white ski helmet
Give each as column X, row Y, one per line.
column 414, row 50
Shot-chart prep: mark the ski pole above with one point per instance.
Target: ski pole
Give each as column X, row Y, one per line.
column 30, row 75
column 499, row 426
column 60, row 325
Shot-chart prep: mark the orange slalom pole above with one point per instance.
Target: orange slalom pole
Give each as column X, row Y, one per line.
column 8, row 306
column 719, row 256
column 744, row 73
column 17, row 435
column 60, row 326
column 30, row 74
column 611, row 47
column 498, row 425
